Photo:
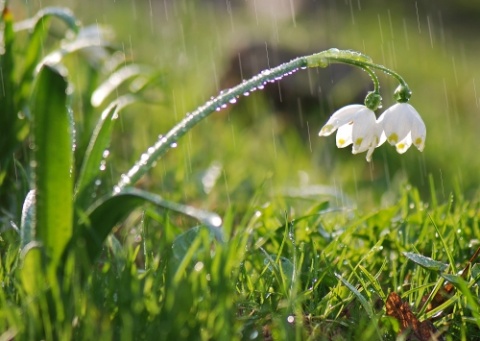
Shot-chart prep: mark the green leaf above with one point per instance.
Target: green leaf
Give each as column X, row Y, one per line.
column 183, row 241
column 99, row 142
column 186, row 245
column 426, row 262
column 53, row 155
column 109, row 211
column 27, row 226
column 8, row 109
column 476, row 272
column 472, row 300
column 361, row 298
column 116, row 79
column 282, row 267
column 38, row 25
column 374, row 279
column 61, row 13
column 30, row 269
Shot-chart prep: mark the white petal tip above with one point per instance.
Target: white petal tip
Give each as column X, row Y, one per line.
column 326, row 130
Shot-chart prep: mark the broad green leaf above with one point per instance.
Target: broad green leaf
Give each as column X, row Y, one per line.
column 61, row 13
column 31, row 264
column 53, row 155
column 457, row 281
column 31, row 56
column 99, row 142
column 8, row 109
column 38, row 25
column 116, row 79
column 426, row 262
column 74, row 46
column 108, row 212
column 186, row 245
column 183, row 241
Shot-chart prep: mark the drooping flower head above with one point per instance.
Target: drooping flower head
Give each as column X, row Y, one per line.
column 356, row 125
column 402, row 126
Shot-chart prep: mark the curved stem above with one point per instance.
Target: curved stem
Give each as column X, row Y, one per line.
column 373, row 76
column 221, row 101
column 321, row 59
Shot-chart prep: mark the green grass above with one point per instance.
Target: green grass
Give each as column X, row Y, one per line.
column 307, row 249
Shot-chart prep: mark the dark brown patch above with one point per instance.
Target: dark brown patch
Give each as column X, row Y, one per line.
column 421, row 331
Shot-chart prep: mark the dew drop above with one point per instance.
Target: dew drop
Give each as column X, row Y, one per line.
column 198, row 267
column 233, row 100
column 173, row 145
column 103, row 165
column 215, row 221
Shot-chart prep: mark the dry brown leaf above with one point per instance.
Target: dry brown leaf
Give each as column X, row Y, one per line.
column 421, row 331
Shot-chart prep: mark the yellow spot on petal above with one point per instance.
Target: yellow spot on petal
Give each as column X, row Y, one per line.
column 358, row 141
column 393, row 138
column 326, row 130
column 341, row 142
column 418, row 141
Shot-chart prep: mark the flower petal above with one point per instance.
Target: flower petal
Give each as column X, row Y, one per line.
column 419, row 131
column 365, row 130
column 344, row 136
column 403, row 145
column 339, row 118
column 396, row 122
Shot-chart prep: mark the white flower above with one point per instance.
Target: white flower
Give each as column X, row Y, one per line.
column 402, row 126
column 356, row 125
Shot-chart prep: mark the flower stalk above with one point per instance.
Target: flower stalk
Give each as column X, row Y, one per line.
column 230, row 96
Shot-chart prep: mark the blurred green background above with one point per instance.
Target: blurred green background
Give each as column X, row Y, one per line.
column 269, row 141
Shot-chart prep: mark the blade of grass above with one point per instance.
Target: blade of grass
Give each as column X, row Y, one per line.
column 464, row 287
column 374, row 279
column 446, row 247
column 99, row 142
column 361, row 298
column 53, row 156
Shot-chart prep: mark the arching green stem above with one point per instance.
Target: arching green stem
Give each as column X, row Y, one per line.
column 322, row 59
